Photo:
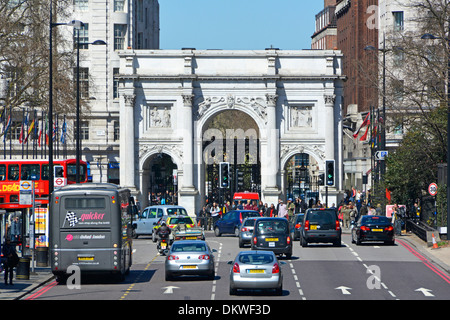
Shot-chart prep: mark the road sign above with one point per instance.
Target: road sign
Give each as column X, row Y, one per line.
column 25, row 192
column 381, row 155
column 432, row 189
column 59, row 182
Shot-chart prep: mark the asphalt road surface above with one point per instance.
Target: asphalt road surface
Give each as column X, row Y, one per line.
column 318, row 272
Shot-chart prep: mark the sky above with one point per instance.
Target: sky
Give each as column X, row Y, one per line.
column 237, row 24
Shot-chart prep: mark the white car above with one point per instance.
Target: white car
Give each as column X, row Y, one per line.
column 151, row 215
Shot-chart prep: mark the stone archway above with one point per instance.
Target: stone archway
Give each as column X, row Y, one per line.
column 158, row 167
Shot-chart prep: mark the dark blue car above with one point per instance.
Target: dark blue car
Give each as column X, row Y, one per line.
column 231, row 221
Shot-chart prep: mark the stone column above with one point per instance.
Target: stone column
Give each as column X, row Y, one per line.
column 271, row 155
column 329, row 126
column 127, row 161
column 187, row 191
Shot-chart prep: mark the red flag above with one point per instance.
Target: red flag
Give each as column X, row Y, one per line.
column 364, row 136
column 388, row 195
column 366, row 122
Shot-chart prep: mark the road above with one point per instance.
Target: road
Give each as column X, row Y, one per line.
column 318, row 272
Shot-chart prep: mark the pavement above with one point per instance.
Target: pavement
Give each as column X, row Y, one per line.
column 43, row 275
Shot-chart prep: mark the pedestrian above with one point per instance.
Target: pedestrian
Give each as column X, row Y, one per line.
column 11, row 260
column 291, row 208
column 282, row 211
column 215, row 212
column 271, row 211
column 353, row 212
column 346, row 216
column 378, row 210
column 201, row 216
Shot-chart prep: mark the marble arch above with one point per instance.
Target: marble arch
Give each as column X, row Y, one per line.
column 167, row 96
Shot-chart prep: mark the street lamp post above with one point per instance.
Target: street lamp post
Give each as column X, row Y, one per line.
column 429, row 36
column 52, row 24
column 78, row 136
column 383, row 110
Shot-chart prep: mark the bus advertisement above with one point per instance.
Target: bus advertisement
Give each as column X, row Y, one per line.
column 91, row 228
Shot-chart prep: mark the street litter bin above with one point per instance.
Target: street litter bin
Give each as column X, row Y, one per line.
column 23, row 269
column 42, row 256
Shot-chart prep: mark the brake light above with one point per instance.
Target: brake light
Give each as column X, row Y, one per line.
column 364, row 228
column 244, row 229
column 236, row 268
column 276, row 268
column 307, row 225
column 204, row 257
column 254, row 240
column 390, row 228
column 173, row 257
column 288, row 240
column 298, row 226
column 338, row 225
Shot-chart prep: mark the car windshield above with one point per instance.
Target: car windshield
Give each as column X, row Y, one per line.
column 188, row 247
column 249, row 222
column 250, row 214
column 272, row 226
column 176, row 211
column 185, row 220
column 322, row 217
column 259, row 258
column 374, row 219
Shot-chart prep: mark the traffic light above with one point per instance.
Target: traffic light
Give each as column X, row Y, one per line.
column 240, row 180
column 224, row 174
column 321, row 181
column 329, row 174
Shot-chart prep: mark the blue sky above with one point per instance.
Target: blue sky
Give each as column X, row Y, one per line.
column 237, row 24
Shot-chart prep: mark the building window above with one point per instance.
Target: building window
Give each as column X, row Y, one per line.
column 140, row 40
column 84, row 36
column 119, row 36
column 116, row 131
column 115, row 83
column 84, row 130
column 81, row 5
column 119, row 5
column 84, row 82
column 398, row 20
column 398, row 57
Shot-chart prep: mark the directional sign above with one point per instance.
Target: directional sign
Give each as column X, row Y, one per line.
column 169, row 289
column 426, row 292
column 344, row 289
column 432, row 189
column 381, row 155
column 25, row 192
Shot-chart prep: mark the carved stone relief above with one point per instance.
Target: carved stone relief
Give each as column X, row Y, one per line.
column 301, row 117
column 257, row 104
column 159, row 117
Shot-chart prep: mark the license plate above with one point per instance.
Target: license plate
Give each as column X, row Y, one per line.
column 271, row 239
column 255, row 271
column 313, row 227
column 191, row 238
column 272, row 244
column 85, row 258
column 163, row 245
column 189, row 267
column 377, row 230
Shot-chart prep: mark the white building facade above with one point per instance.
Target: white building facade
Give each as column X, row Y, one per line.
column 168, row 97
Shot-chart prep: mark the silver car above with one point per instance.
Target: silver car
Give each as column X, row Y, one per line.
column 190, row 257
column 256, row 270
column 246, row 231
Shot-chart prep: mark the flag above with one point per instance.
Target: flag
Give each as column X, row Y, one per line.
column 21, row 134
column 364, row 136
column 8, row 125
column 365, row 123
column 30, row 129
column 388, row 195
column 63, row 131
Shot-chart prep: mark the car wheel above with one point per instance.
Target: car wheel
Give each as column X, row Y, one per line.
column 337, row 243
column 288, row 255
column 279, row 291
column 217, row 232
column 236, row 232
column 303, row 242
column 241, row 243
column 169, row 276
column 153, row 237
column 211, row 275
column 358, row 242
column 233, row 291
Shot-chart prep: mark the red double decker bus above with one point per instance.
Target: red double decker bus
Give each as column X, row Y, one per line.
column 13, row 171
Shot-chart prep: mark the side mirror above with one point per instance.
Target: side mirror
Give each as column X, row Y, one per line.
column 230, row 262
